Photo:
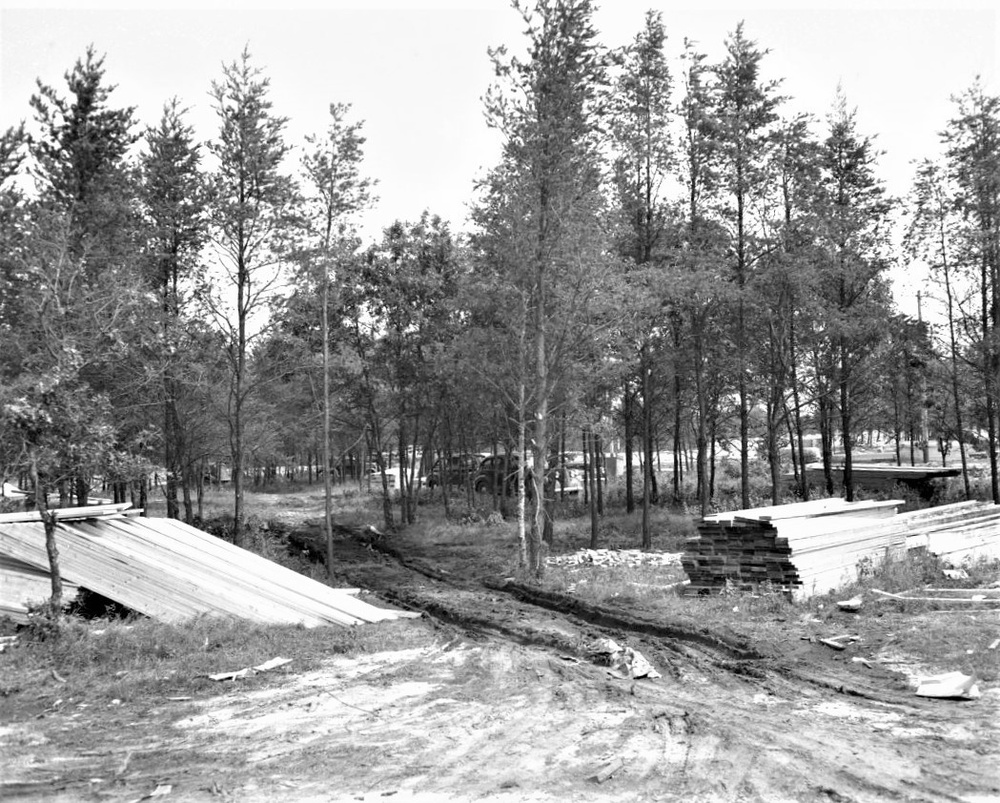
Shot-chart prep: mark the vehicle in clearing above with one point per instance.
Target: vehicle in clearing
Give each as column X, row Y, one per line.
column 454, row 470
column 498, row 473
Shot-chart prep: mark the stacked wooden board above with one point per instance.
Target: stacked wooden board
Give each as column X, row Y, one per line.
column 958, row 532
column 170, row 571
column 803, row 548
column 885, row 477
column 814, row 547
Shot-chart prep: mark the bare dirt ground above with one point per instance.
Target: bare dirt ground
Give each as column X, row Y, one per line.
column 501, row 701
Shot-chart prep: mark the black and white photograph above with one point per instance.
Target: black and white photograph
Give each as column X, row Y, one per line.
column 500, row 400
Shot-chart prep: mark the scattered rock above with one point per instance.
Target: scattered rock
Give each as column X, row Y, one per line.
column 615, row 557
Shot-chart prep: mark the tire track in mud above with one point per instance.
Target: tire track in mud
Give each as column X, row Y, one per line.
column 727, row 721
column 723, row 656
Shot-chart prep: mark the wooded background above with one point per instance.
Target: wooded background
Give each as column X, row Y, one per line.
column 660, row 260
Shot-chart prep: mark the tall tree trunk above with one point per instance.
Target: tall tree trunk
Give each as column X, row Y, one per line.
column 540, row 446
column 170, row 460
column 701, row 436
column 236, row 420
column 741, row 340
column 189, row 481
column 797, row 412
column 590, row 477
column 826, row 438
column 990, row 366
column 49, row 525
column 678, row 478
column 845, row 419
column 598, row 463
column 629, row 407
column 327, row 481
column 647, row 441
column 953, row 342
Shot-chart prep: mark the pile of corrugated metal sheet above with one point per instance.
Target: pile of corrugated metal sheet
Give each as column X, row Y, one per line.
column 21, row 583
column 167, row 570
column 811, row 548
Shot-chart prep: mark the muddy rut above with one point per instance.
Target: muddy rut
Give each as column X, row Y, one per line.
column 727, row 721
column 498, row 696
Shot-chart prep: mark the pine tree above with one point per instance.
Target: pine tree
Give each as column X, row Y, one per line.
column 551, row 117
column 80, row 157
column 972, row 139
column 744, row 114
column 174, row 196
column 854, row 220
column 641, row 118
column 251, row 201
column 335, row 190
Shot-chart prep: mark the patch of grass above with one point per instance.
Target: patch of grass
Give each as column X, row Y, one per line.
column 140, row 660
column 916, row 570
column 620, row 530
column 645, row 584
column 948, row 641
column 938, row 636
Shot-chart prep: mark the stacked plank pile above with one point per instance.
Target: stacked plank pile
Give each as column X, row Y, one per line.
column 170, row 571
column 958, row 532
column 885, row 477
column 804, row 548
column 814, row 547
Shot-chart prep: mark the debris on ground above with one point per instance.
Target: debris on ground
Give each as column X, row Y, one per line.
column 951, row 685
column 615, row 557
column 604, row 648
column 837, row 642
column 274, row 663
column 984, row 597
column 608, row 769
column 851, row 605
column 633, row 664
column 162, row 790
column 623, row 662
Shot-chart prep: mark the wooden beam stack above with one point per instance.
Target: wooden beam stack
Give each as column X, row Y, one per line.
column 956, row 533
column 814, row 547
column 885, row 477
column 801, row 548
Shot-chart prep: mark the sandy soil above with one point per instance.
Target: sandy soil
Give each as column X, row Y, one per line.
column 502, row 702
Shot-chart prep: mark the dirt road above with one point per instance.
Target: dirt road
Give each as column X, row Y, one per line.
column 502, row 701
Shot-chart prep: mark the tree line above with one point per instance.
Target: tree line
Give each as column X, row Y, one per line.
column 662, row 257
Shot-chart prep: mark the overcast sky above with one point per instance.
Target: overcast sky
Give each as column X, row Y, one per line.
column 416, row 72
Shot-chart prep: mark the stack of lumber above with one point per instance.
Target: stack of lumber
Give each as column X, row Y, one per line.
column 956, row 533
column 170, row 571
column 803, row 548
column 884, row 477
column 814, row 547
